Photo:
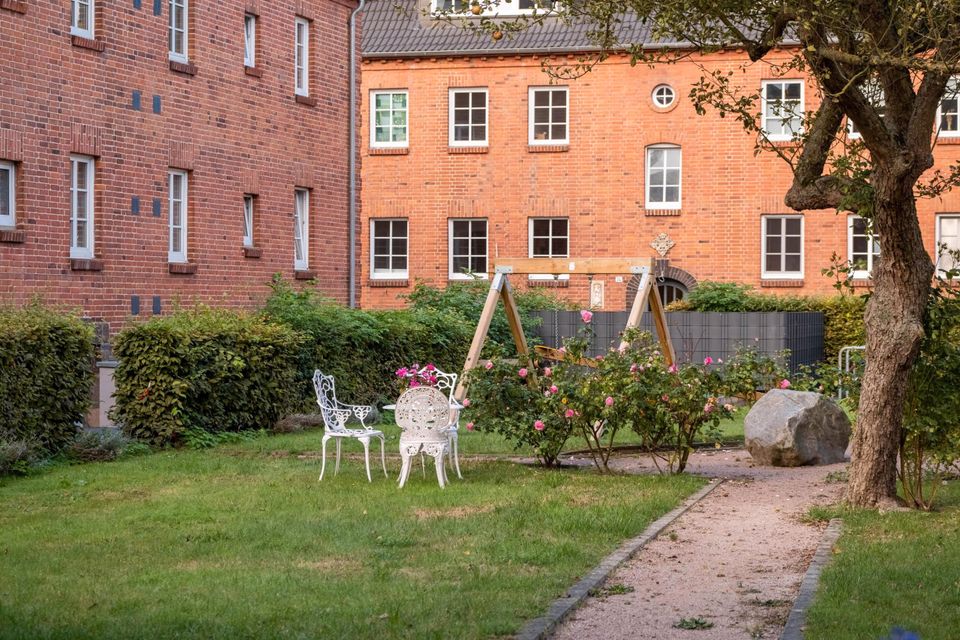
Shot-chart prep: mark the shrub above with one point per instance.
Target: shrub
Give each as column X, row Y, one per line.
column 466, row 299
column 212, row 370
column 16, row 456
column 362, row 349
column 719, row 296
column 103, row 445
column 46, row 373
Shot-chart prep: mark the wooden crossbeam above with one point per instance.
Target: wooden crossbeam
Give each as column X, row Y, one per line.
column 583, row 266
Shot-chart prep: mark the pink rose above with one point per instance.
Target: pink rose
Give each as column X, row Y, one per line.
column 784, row 384
column 489, row 365
column 546, row 394
column 719, row 360
column 633, row 368
column 553, row 388
column 469, row 426
column 672, row 368
column 599, row 358
column 608, row 401
column 707, row 408
column 562, row 349
column 586, row 316
column 707, row 361
column 430, row 367
column 547, row 371
column 665, row 398
column 538, row 425
column 569, row 413
column 466, row 402
column 522, row 373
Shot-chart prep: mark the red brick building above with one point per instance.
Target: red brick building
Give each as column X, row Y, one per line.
column 470, row 151
column 156, row 151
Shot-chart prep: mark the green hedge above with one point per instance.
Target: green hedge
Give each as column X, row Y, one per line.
column 842, row 314
column 209, row 370
column 363, row 349
column 46, row 373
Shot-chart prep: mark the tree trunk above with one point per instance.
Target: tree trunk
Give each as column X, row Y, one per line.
column 894, row 324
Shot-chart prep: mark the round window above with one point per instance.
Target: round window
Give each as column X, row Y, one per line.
column 663, row 95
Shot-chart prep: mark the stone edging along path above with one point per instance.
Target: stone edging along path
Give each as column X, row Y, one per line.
column 794, row 628
column 542, row 627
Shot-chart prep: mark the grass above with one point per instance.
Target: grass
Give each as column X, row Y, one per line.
column 893, row 570
column 241, row 541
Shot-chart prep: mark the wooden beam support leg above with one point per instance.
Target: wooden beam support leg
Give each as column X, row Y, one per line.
column 639, row 305
column 483, row 326
column 663, row 331
column 516, row 328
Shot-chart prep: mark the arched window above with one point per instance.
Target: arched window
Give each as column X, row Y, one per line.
column 670, row 291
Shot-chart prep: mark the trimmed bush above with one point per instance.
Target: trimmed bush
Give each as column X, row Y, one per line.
column 362, row 349
column 46, row 373
column 208, row 370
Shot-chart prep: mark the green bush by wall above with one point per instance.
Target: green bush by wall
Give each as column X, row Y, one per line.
column 207, row 369
column 46, row 369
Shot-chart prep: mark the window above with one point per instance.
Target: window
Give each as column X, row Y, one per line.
column 468, row 117
column 948, row 233
column 248, row 220
column 468, row 248
column 302, row 58
column 670, row 291
column 549, row 238
column 496, row 7
column 782, row 247
column 389, row 117
column 663, row 177
column 874, row 93
column 949, row 114
column 548, row 115
column 301, row 229
column 249, row 40
column 663, row 96
column 388, row 250
column 81, row 21
column 177, row 207
column 8, row 194
column 178, row 30
column 864, row 247
column 782, row 109
column 81, row 207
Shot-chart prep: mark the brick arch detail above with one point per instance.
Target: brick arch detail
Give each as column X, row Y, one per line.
column 661, row 267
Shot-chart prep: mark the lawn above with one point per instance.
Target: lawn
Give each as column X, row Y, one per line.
column 893, row 570
column 242, row 542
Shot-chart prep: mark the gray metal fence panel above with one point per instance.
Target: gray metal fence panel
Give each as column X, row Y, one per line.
column 697, row 335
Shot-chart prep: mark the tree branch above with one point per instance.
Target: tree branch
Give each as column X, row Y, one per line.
column 811, row 189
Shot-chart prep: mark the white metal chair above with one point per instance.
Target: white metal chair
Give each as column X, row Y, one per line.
column 447, row 384
column 423, row 415
column 336, row 416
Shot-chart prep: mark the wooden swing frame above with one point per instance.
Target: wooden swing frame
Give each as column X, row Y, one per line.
column 500, row 289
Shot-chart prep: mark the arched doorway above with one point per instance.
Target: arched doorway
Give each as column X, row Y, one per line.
column 672, row 284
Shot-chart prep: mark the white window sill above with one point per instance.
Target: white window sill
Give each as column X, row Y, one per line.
column 177, row 57
column 80, row 33
column 83, row 254
column 781, row 276
column 460, row 277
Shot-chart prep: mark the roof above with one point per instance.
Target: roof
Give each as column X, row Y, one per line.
column 402, row 29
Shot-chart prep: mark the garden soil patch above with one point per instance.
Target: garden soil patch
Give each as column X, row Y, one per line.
column 734, row 561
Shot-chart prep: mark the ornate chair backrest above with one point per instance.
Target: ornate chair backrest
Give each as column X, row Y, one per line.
column 326, row 390
column 423, row 413
column 446, row 382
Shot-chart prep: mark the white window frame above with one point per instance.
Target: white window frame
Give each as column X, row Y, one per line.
column 249, row 204
column 182, row 198
column 10, row 220
column 388, row 274
column 459, row 275
column 547, row 276
column 660, row 91
column 668, row 205
column 781, row 275
column 451, row 98
column 860, row 274
column 84, row 192
column 939, row 219
column 531, row 91
column 301, row 57
column 184, row 8
column 249, row 40
column 782, row 137
column 75, row 29
column 502, row 8
column 301, row 228
column 389, row 144
column 953, row 86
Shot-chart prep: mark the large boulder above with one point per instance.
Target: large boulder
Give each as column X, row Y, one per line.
column 793, row 428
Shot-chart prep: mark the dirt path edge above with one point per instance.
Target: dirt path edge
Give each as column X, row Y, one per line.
column 794, row 629
column 541, row 628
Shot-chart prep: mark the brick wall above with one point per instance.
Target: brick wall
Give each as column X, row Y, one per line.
column 235, row 131
column 597, row 181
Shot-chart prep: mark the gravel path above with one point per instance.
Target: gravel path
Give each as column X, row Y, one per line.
column 734, row 561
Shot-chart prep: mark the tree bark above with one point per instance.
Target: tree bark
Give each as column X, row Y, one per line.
column 894, row 323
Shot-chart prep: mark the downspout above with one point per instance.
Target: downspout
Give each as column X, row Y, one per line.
column 352, row 161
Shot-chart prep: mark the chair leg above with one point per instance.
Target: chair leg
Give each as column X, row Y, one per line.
column 366, row 455
column 323, row 464
column 438, row 463
column 336, row 469
column 383, row 458
column 423, row 466
column 455, row 456
column 404, row 468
